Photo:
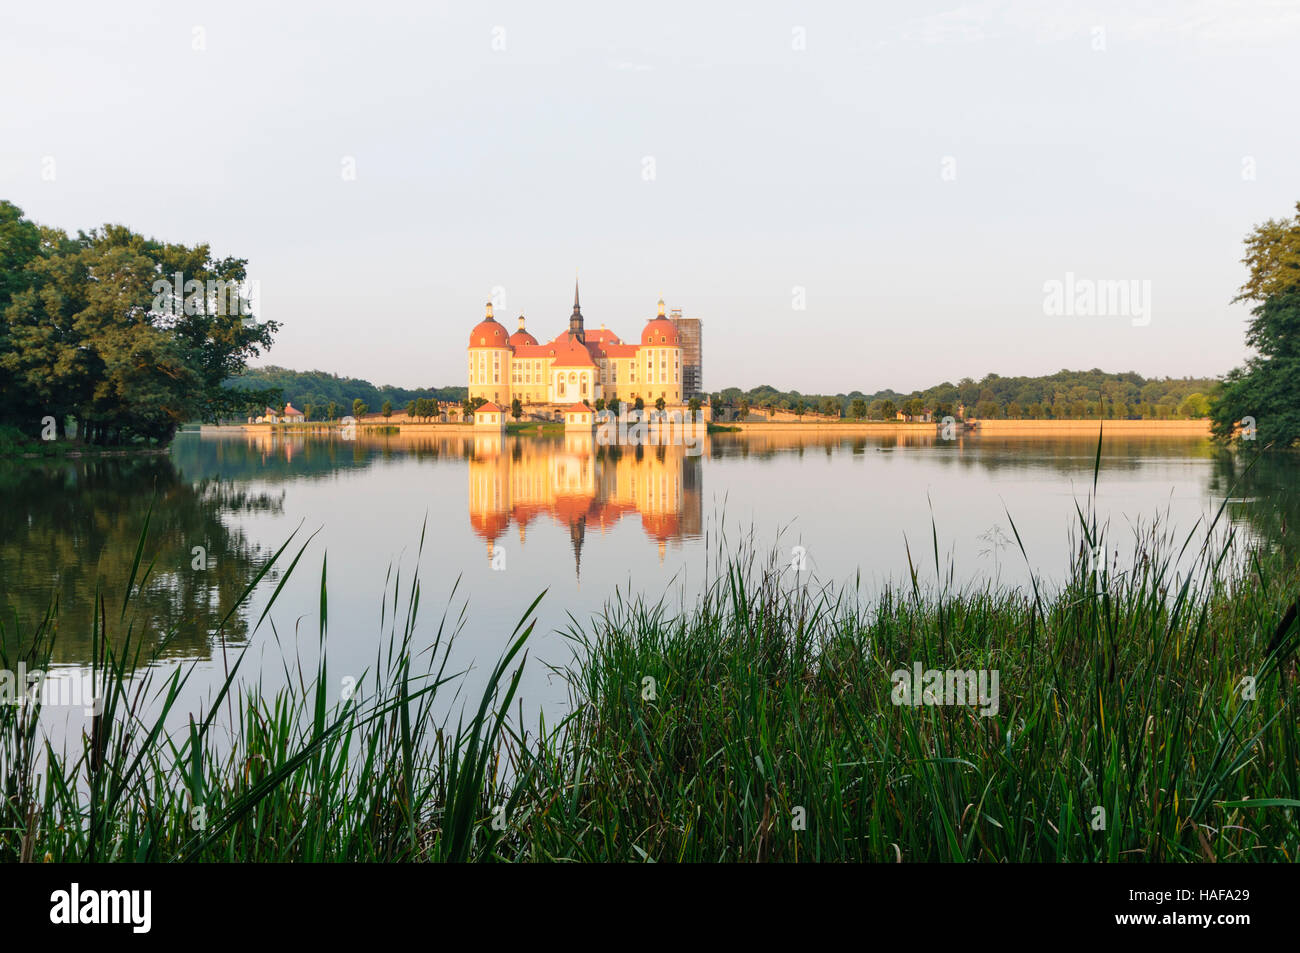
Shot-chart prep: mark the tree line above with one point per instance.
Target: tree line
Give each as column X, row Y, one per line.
column 320, row 390
column 116, row 337
column 1064, row 395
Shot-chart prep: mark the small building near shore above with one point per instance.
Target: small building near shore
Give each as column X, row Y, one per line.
column 490, row 416
column 579, row 417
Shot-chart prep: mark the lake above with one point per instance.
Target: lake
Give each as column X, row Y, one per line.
column 504, row 518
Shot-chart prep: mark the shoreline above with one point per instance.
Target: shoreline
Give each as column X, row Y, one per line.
column 984, row 428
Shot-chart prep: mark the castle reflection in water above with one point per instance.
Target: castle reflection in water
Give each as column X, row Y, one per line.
column 583, row 487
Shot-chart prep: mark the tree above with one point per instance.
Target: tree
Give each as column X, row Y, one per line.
column 1195, row 405
column 1273, row 259
column 88, row 334
column 387, row 409
column 1267, row 387
column 639, row 405
column 517, row 409
column 858, row 408
column 332, row 411
column 888, row 411
column 410, row 409
column 613, row 406
column 694, row 405
column 600, row 403
column 660, row 404
column 742, row 406
column 359, row 408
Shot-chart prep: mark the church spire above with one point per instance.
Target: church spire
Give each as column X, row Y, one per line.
column 575, row 319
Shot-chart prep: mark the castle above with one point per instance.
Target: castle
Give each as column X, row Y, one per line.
column 578, row 366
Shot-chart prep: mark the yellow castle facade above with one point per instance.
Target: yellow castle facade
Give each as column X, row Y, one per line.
column 578, row 366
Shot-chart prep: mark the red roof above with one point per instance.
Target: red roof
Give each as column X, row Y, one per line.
column 291, row 410
column 569, row 352
column 521, row 338
column 488, row 333
column 659, row 331
column 615, row 350
column 490, row 408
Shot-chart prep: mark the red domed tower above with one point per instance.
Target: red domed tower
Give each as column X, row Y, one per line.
column 489, row 360
column 660, row 358
column 521, row 336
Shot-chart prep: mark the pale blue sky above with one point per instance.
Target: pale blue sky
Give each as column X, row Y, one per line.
column 775, row 167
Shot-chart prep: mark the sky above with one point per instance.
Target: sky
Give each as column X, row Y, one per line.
column 849, row 195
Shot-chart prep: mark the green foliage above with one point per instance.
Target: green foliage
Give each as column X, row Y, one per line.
column 1093, row 394
column 320, row 387
column 759, row 724
column 93, row 330
column 1267, row 388
column 1273, row 260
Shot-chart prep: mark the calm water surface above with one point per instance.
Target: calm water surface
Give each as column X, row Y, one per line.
column 555, row 514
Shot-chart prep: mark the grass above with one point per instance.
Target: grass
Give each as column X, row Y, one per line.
column 550, row 428
column 756, row 725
